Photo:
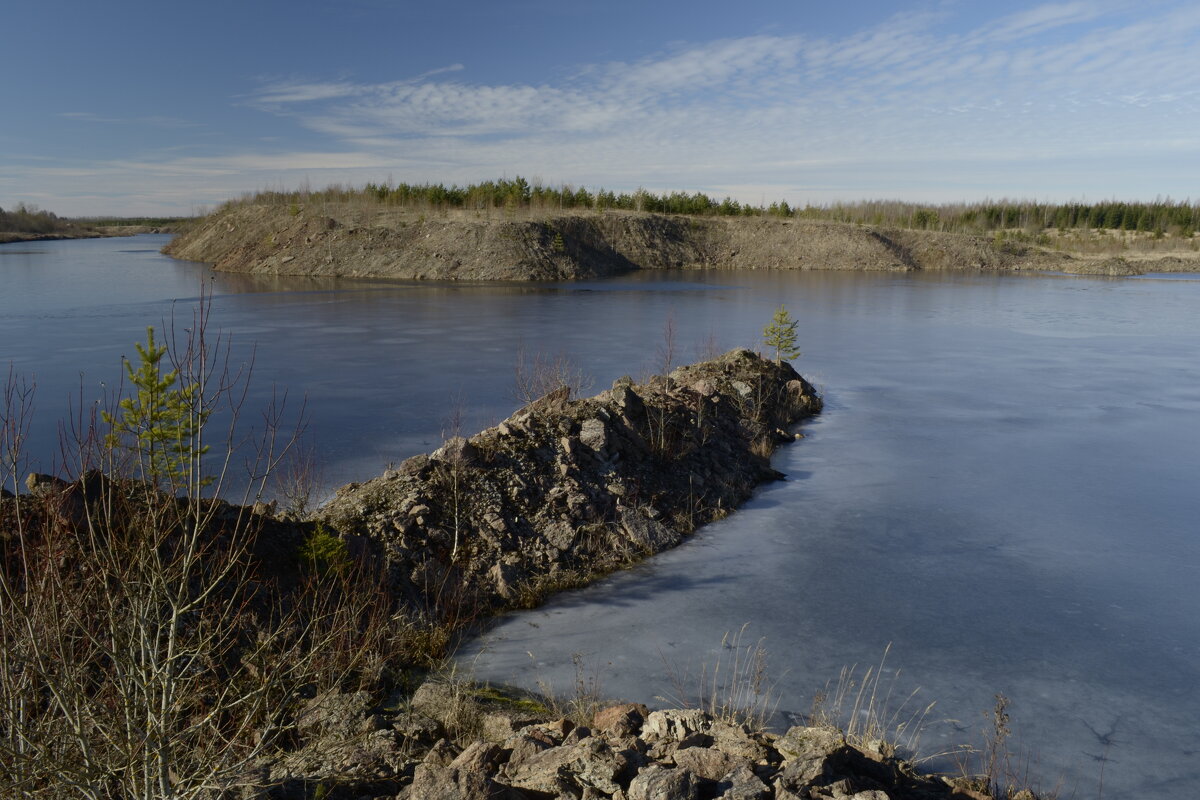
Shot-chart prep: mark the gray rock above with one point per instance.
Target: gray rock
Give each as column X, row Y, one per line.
column 434, row 699
column 697, row 739
column 577, row 734
column 633, row 408
column 560, row 534
column 707, row 762
column 742, row 784
column 338, row 716
column 525, row 746
column 507, row 575
column 803, row 742
column 441, row 754
column 736, row 740
column 570, row 768
column 264, row 509
column 457, row 451
column 502, row 723
column 589, row 503
column 417, row 729
column 40, row 485
column 659, row 783
column 482, row 757
column 593, row 434
column 676, row 724
column 649, row 536
column 621, row 720
column 808, row 754
column 431, row 782
column 413, row 466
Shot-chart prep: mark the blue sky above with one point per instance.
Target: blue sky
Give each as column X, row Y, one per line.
column 169, row 108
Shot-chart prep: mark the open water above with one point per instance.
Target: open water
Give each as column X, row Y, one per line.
column 1003, row 486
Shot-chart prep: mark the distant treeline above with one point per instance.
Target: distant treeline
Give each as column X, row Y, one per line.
column 1160, row 216
column 520, row 193
column 113, row 222
column 30, row 219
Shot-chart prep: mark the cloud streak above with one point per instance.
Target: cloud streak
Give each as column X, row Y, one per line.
column 916, row 106
column 760, row 97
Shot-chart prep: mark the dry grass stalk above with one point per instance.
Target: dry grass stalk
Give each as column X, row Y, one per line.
column 735, row 688
column 863, row 710
column 586, row 697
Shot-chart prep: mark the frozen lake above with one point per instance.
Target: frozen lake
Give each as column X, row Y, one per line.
column 1003, row 485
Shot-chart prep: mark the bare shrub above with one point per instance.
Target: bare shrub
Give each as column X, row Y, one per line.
column 542, row 374
column 709, row 348
column 299, row 480
column 156, row 642
column 666, row 348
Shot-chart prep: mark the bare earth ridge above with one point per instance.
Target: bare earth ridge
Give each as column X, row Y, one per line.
column 380, row 242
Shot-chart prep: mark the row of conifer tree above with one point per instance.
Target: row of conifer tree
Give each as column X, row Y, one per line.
column 1180, row 218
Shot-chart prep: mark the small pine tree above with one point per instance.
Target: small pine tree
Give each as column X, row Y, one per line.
column 324, row 552
column 160, row 423
column 780, row 335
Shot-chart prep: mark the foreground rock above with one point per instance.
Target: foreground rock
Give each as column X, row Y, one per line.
column 462, row 742
column 565, row 489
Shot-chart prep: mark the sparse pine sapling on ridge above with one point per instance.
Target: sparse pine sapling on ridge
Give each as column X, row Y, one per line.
column 780, row 336
column 160, row 423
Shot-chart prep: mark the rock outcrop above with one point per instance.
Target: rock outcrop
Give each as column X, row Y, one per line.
column 463, row 742
column 565, row 489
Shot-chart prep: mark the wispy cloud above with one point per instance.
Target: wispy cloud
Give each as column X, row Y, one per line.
column 153, row 121
column 1027, row 82
column 912, row 106
column 1044, row 18
column 287, row 92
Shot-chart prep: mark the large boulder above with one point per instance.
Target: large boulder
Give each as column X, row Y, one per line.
column 570, row 768
column 661, row 783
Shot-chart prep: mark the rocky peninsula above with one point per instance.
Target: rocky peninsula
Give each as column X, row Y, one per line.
column 347, row 240
column 566, row 488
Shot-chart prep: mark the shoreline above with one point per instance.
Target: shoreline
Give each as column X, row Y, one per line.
column 14, row 237
column 353, row 241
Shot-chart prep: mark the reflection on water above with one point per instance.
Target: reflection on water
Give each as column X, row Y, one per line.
column 1002, row 486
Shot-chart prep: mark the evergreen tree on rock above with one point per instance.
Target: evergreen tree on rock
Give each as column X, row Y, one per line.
column 780, row 336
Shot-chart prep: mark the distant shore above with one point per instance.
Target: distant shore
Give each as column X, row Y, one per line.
column 9, row 237
column 355, row 240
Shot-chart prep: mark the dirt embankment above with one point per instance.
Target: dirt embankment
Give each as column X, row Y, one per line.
column 355, row 241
